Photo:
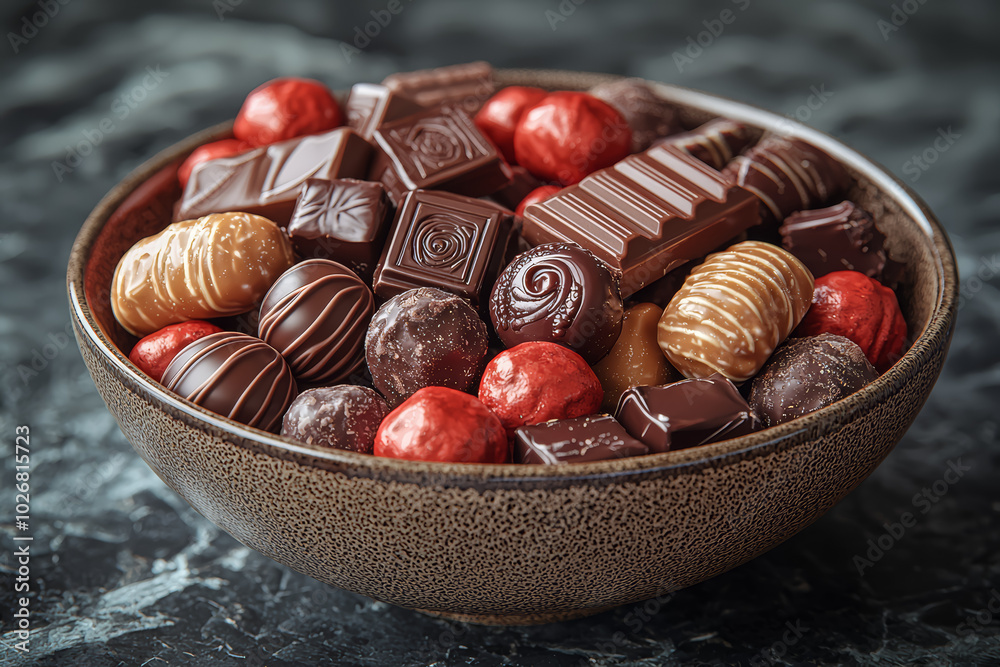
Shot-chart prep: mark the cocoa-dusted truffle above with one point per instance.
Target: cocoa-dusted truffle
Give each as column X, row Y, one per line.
column 341, row 417
column 560, row 293
column 425, row 337
column 806, row 374
column 316, row 315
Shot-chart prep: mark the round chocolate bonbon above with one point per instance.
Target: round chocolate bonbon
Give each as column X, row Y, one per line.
column 341, row 417
column 234, row 375
column 316, row 315
column 733, row 310
column 560, row 293
column 220, row 264
column 425, row 337
column 806, row 374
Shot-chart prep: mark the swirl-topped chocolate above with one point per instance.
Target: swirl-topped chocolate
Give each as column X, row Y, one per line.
column 316, row 316
column 561, row 293
column 236, row 376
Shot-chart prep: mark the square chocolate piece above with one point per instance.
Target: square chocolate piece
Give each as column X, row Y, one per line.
column 580, row 440
column 344, row 220
column 370, row 105
column 440, row 149
column 455, row 243
column 266, row 181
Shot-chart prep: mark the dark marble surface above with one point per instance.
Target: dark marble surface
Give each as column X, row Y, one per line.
column 125, row 573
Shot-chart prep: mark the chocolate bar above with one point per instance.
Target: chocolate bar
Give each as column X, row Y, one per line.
column 468, row 85
column 369, row 106
column 593, row 438
column 345, row 220
column 267, row 181
column 646, row 215
column 686, row 413
column 440, row 239
column 436, row 149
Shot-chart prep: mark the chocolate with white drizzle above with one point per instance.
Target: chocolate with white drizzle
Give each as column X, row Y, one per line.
column 787, row 175
column 715, row 143
column 733, row 310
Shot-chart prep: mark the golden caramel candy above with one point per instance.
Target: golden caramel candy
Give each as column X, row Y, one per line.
column 221, row 264
column 636, row 359
column 733, row 310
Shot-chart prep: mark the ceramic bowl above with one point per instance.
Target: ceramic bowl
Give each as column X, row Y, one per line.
column 515, row 544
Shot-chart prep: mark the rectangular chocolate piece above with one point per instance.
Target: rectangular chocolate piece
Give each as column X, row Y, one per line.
column 468, row 85
column 686, row 414
column 369, row 106
column 439, row 149
column 580, row 440
column 344, row 220
column 448, row 241
column 267, row 181
column 646, row 215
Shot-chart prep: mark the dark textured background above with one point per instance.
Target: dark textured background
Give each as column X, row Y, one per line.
column 125, row 573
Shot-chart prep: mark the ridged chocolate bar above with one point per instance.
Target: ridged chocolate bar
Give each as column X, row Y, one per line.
column 448, row 241
column 267, row 181
column 646, row 215
column 436, row 149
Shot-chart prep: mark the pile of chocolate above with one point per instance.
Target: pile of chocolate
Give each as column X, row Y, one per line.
column 440, row 270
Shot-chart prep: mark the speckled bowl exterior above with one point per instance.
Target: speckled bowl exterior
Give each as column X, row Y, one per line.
column 513, row 544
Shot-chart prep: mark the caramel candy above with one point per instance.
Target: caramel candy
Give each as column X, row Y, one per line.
column 636, row 359
column 734, row 309
column 221, row 264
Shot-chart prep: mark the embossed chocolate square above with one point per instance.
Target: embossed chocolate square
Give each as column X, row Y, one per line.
column 370, row 105
column 266, row 181
column 439, row 149
column 448, row 241
column 344, row 220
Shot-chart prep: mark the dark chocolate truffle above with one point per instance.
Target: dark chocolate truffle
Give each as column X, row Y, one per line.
column 316, row 315
column 580, row 440
column 648, row 115
column 788, row 175
column 234, row 375
column 686, row 413
column 806, row 374
column 837, row 238
column 560, row 293
column 341, row 417
column 343, row 219
column 425, row 337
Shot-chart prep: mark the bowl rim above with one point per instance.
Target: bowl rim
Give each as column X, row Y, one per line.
column 935, row 334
